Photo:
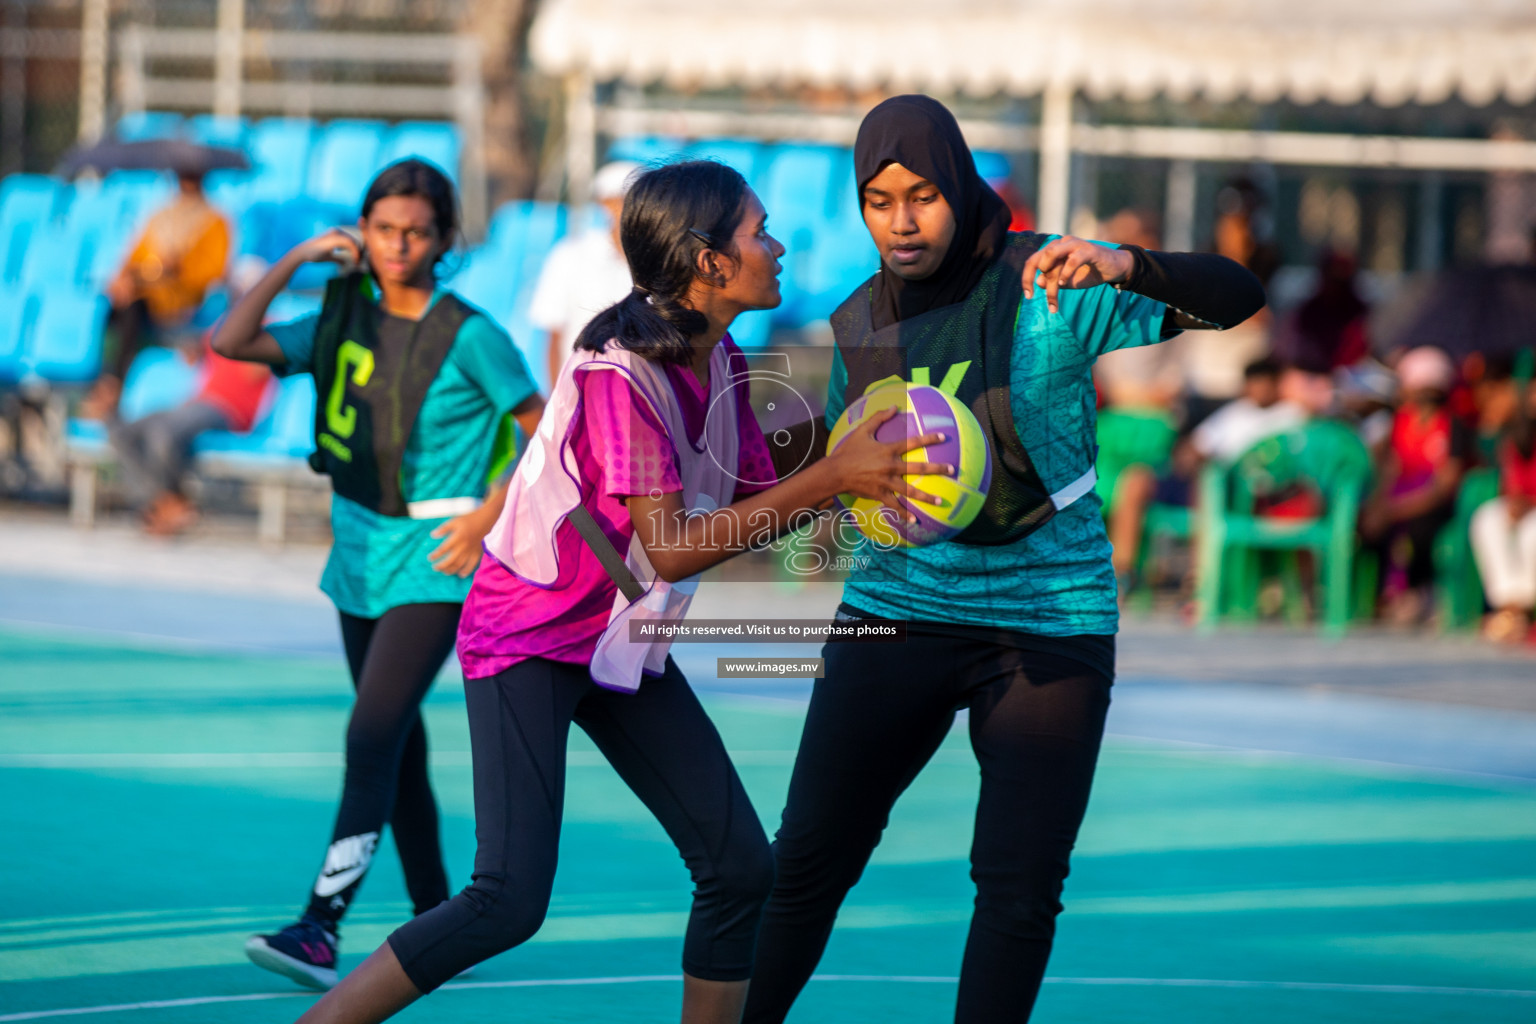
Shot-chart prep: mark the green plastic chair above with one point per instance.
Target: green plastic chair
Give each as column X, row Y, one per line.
column 1325, row 457
column 1458, row 586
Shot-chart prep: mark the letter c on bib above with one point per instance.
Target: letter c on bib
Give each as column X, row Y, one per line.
column 354, row 358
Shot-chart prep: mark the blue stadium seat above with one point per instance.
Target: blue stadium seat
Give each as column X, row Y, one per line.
column 486, row 280
column 56, row 256
column 344, row 159
column 842, row 257
column 752, row 330
column 741, row 154
column 797, row 191
column 279, row 148
column 293, row 418
column 292, row 305
column 992, row 166
column 159, row 379
column 15, row 319
column 646, row 149
column 138, row 193
column 26, row 200
column 270, row 229
column 544, row 226
column 29, row 198
column 800, row 303
column 797, row 184
column 13, row 248
column 106, row 249
column 231, row 192
column 507, row 222
column 93, row 206
column 437, row 142
column 284, row 434
column 212, row 130
column 844, row 198
column 149, row 124
column 525, row 230
column 66, row 334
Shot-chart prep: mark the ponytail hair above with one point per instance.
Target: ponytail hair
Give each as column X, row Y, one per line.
column 671, row 214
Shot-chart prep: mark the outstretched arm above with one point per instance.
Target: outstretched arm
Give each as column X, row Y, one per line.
column 1201, row 290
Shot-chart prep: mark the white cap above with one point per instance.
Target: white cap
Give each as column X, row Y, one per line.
column 612, row 180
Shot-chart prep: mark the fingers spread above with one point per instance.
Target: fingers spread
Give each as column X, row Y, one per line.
column 893, row 502
column 916, row 441
column 915, row 494
column 928, row 469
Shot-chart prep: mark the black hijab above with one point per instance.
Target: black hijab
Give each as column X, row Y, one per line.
column 921, row 134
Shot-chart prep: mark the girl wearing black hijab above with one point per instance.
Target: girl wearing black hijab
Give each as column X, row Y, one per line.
column 1014, row 619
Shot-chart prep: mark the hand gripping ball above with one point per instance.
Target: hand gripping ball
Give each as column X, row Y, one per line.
column 922, row 409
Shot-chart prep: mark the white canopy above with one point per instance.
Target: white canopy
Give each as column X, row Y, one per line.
column 1388, row 52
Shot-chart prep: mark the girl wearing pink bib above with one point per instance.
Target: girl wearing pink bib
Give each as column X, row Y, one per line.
column 647, row 468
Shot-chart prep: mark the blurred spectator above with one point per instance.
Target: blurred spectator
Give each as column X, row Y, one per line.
column 1146, row 377
column 1213, row 361
column 181, row 252
column 1308, row 388
column 1018, row 207
column 996, row 171
column 1327, row 331
column 1367, row 395
column 1504, row 531
column 1133, row 226
column 1258, row 413
column 586, row 273
column 1150, row 376
column 1243, row 228
column 1492, row 401
column 155, row 451
column 1417, row 482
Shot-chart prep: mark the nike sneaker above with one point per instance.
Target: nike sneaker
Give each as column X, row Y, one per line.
column 304, row 952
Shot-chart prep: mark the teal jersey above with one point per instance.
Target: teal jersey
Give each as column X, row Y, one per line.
column 1057, row 581
column 380, row 562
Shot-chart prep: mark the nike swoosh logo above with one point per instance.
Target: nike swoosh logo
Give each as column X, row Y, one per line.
column 330, row 885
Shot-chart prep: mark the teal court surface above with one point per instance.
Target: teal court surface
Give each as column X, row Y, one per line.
column 1251, row 854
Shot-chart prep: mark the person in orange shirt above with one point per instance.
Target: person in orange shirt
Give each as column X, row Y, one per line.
column 179, row 255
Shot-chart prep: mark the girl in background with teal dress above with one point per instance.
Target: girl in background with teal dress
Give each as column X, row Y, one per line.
column 416, row 391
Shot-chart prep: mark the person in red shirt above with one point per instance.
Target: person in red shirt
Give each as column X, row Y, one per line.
column 1504, row 532
column 1418, row 478
column 155, row 450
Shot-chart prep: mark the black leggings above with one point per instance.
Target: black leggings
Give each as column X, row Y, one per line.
column 1036, row 719
column 394, row 660
column 1417, row 535
column 663, row 746
column 128, row 328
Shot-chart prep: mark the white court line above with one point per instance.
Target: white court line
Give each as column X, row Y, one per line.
column 1303, row 986
column 158, row 1004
